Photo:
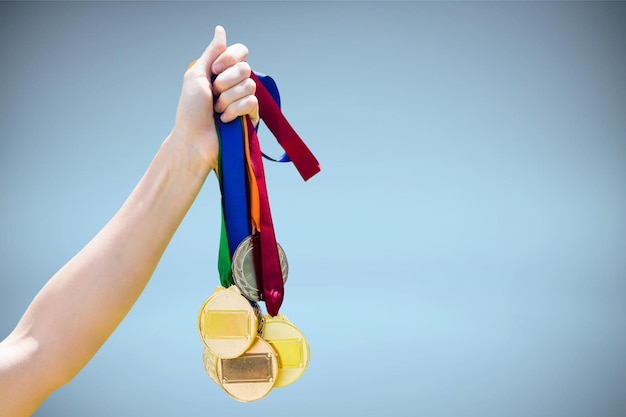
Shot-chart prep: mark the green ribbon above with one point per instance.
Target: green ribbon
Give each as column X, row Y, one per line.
column 224, row 266
column 223, row 259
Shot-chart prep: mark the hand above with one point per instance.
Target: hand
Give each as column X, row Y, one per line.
column 194, row 126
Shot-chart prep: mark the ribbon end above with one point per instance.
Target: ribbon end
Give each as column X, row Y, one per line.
column 273, row 301
column 309, row 173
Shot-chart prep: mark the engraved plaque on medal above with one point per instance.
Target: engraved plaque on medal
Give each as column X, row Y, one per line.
column 250, row 376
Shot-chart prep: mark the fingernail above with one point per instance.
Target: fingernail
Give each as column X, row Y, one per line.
column 218, row 67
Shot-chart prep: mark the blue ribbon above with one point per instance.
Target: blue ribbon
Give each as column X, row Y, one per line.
column 233, row 182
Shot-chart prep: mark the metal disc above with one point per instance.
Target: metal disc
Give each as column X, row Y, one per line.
column 292, row 348
column 244, row 274
column 227, row 323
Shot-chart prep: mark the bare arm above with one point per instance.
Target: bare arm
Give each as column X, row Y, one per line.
column 82, row 304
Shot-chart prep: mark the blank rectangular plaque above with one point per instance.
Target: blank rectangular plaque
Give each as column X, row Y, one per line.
column 249, row 367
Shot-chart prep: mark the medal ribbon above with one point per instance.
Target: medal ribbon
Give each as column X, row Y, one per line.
column 223, row 260
column 233, row 184
column 272, row 88
column 270, row 270
column 234, row 192
column 304, row 160
column 268, row 263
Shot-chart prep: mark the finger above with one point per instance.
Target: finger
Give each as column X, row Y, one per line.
column 233, row 54
column 245, row 88
column 211, row 53
column 247, row 105
column 231, row 77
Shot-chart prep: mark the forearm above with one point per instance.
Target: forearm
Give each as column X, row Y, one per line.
column 84, row 302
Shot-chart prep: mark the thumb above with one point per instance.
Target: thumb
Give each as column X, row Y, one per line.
column 213, row 51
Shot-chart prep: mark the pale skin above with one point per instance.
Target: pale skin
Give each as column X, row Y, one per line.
column 83, row 303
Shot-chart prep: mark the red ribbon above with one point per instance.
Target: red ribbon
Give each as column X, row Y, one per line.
column 304, row 160
column 270, row 272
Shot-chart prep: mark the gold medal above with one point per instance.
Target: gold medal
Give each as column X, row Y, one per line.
column 292, row 348
column 228, row 324
column 244, row 274
column 250, row 376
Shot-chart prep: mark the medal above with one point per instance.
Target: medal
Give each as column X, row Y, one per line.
column 250, row 376
column 244, row 271
column 292, row 348
column 227, row 323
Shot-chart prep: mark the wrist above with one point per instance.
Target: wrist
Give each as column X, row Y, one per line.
column 199, row 160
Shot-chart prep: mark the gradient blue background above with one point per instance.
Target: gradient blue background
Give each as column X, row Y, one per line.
column 462, row 253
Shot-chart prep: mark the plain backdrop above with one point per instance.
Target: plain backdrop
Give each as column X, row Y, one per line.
column 462, row 253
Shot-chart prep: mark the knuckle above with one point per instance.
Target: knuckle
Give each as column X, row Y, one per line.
column 249, row 86
column 189, row 74
column 247, row 105
column 244, row 70
column 218, row 106
column 228, row 116
column 216, row 89
column 243, row 49
column 244, row 66
column 218, row 85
